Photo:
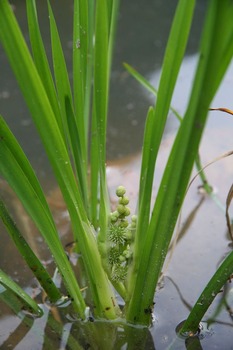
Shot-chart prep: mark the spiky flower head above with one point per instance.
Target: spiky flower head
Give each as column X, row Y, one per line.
column 113, row 256
column 119, row 273
column 116, row 234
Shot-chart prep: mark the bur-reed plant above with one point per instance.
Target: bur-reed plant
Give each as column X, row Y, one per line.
column 119, row 255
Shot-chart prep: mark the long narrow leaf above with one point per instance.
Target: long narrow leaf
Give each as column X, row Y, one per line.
column 76, row 149
column 176, row 176
column 101, row 72
column 113, row 16
column 42, row 113
column 207, row 296
column 144, row 82
column 41, row 61
column 80, row 66
column 13, row 171
column 60, row 69
column 28, row 255
column 27, row 301
column 36, row 98
column 172, row 61
column 94, row 176
column 81, row 91
column 66, row 102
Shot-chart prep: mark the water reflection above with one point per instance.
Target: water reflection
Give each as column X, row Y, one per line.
column 51, row 333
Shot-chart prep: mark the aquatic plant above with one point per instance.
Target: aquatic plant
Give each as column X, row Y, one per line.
column 118, row 255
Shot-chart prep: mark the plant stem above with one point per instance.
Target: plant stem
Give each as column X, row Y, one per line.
column 206, row 298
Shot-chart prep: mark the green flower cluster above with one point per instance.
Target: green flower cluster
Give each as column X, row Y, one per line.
column 120, row 237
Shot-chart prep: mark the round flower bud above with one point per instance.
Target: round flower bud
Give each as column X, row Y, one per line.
column 133, row 225
column 127, row 254
column 122, row 258
column 123, row 223
column 134, row 218
column 127, row 211
column 113, row 217
column 121, row 209
column 128, row 235
column 120, row 191
column 124, row 200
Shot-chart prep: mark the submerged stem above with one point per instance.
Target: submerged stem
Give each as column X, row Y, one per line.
column 208, row 295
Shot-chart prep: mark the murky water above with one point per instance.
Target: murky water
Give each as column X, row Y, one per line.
column 142, row 34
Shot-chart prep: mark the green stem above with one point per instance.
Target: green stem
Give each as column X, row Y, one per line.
column 31, row 259
column 208, row 295
column 202, row 175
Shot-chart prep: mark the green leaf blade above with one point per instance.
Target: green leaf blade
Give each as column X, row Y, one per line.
column 27, row 301
column 28, row 255
column 28, row 190
column 41, row 60
column 178, row 169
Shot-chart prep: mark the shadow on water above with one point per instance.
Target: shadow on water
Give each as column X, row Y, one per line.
column 141, row 39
